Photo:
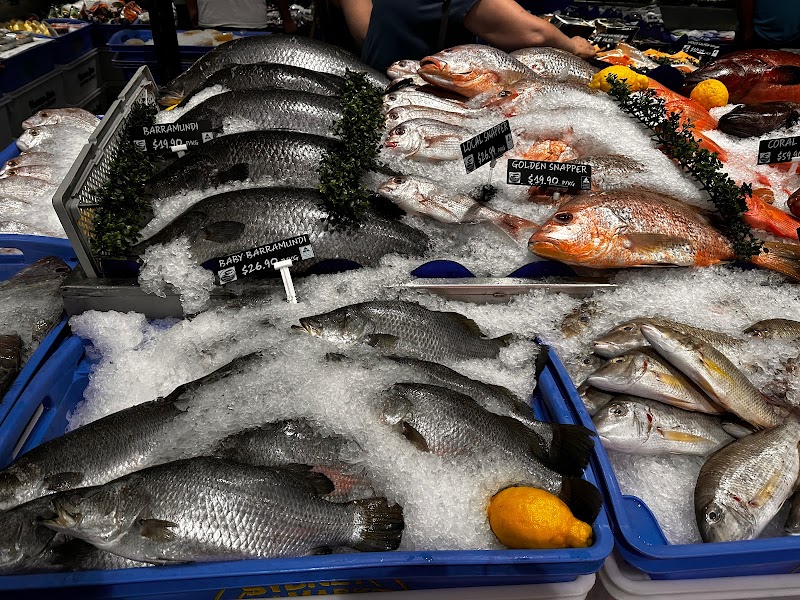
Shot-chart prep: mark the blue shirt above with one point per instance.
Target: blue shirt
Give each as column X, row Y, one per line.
column 401, row 29
column 777, row 20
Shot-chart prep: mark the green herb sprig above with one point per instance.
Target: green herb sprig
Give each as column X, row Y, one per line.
column 122, row 205
column 677, row 139
column 344, row 166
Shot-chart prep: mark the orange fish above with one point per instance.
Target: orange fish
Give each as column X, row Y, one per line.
column 766, row 217
column 639, row 228
column 551, row 150
column 473, row 69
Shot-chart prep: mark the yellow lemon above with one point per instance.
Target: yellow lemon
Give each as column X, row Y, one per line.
column 632, row 79
column 526, row 517
column 710, row 93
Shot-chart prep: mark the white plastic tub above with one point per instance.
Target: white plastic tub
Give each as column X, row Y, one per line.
column 623, row 582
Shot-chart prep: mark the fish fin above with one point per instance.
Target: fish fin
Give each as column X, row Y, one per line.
column 223, row 231
column 238, row 172
column 384, row 341
column 156, row 530
column 415, row 437
column 466, row 322
column 582, row 498
column 669, row 379
column 780, row 257
column 654, row 242
column 380, row 526
column 321, row 551
column 504, row 340
column 517, row 228
column 318, row 482
column 767, row 490
column 571, row 448
column 714, row 367
column 680, row 436
column 68, row 480
column 736, row 429
column 783, row 75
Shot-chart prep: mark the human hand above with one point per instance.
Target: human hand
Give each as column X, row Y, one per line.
column 582, row 47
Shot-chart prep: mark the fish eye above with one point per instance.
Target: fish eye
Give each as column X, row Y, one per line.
column 34, row 132
column 399, row 130
column 618, row 359
column 398, row 179
column 44, row 114
column 563, row 217
column 75, row 500
column 391, row 97
column 713, row 516
column 584, row 319
column 617, row 410
column 627, row 328
column 12, row 172
column 503, row 94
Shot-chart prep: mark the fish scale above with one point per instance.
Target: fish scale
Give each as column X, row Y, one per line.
column 267, row 109
column 553, row 63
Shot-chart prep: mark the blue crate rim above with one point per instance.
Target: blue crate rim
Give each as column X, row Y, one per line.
column 626, row 530
column 591, row 558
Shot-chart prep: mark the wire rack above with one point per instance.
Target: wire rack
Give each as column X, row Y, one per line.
column 75, row 200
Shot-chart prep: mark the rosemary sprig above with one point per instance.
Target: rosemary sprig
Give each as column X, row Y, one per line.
column 677, row 139
column 344, row 166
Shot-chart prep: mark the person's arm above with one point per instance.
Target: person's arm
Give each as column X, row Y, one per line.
column 508, row 26
column 747, row 12
column 356, row 15
column 289, row 26
column 191, row 8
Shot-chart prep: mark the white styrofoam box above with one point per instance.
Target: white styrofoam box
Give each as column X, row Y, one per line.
column 568, row 590
column 45, row 92
column 623, row 582
column 81, row 78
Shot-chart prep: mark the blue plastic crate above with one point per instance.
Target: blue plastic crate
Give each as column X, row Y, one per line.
column 32, row 248
column 642, row 543
column 41, row 415
column 71, row 46
column 142, row 53
column 21, row 69
column 103, row 32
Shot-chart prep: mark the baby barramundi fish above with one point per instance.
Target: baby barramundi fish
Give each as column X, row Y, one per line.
column 407, row 329
column 425, row 197
column 649, row 428
column 208, row 508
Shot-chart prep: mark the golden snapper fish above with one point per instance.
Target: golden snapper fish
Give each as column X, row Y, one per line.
column 640, row 228
column 473, row 69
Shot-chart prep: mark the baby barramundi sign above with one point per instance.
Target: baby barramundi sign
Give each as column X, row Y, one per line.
column 260, row 259
column 487, row 146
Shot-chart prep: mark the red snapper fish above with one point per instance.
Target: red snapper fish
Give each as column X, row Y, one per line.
column 639, row 228
column 754, row 76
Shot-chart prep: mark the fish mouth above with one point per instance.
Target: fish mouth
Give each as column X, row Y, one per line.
column 64, row 519
column 171, row 98
column 390, row 144
column 306, row 327
column 430, row 64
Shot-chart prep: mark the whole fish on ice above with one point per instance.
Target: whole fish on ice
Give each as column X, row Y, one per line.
column 560, row 65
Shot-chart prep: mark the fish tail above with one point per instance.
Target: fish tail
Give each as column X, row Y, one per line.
column 504, row 340
column 571, row 448
column 766, row 217
column 517, row 228
column 380, row 526
column 780, row 257
column 582, row 498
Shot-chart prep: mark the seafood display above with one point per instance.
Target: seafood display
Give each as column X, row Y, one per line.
column 314, row 399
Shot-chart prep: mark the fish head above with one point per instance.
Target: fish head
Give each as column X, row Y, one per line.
column 503, row 100
column 397, row 404
column 593, row 399
column 22, row 536
column 398, row 115
column 619, row 340
column 623, row 424
column 619, row 373
column 667, row 341
column 724, row 519
column 459, row 70
column 406, row 139
column 31, row 138
column 99, row 514
column 343, row 324
column 402, row 68
column 409, row 193
column 573, row 235
column 43, row 117
column 44, row 269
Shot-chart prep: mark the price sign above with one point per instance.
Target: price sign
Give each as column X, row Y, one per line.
column 487, row 146
column 260, row 259
column 544, row 173
column 778, row 150
column 703, row 51
column 607, row 40
column 162, row 138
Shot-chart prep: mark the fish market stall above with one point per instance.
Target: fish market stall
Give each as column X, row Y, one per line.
column 261, row 383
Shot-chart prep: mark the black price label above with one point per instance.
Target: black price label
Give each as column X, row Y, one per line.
column 703, row 51
column 162, row 138
column 487, row 146
column 778, row 150
column 544, row 173
column 610, row 39
column 260, row 260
